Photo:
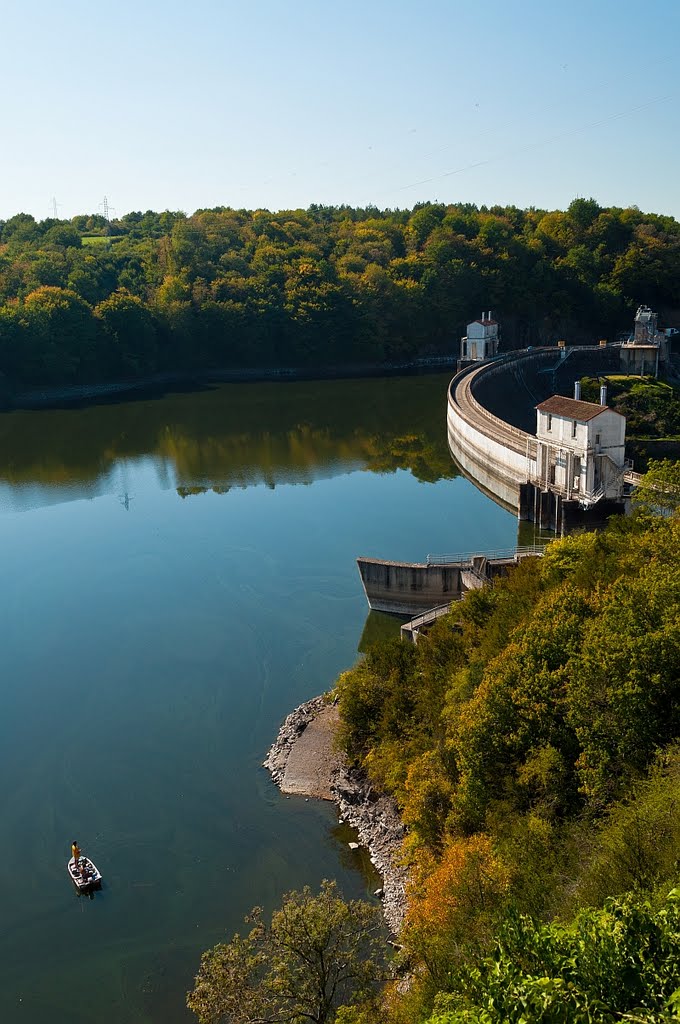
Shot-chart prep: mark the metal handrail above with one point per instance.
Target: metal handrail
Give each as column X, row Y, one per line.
column 429, row 616
column 588, row 500
column 468, row 556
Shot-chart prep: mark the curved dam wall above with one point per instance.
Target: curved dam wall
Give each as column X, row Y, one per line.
column 491, row 415
column 495, row 454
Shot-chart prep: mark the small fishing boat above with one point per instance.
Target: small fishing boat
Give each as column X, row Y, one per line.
column 84, row 874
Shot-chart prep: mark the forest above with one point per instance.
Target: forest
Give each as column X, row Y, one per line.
column 532, row 742
column 91, row 300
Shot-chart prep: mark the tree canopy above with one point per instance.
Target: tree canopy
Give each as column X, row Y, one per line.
column 318, row 953
column 327, row 286
column 618, row 963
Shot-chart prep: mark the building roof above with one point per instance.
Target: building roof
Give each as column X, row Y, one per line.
column 573, row 408
column 485, row 323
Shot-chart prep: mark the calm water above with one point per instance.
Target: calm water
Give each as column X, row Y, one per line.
column 178, row 575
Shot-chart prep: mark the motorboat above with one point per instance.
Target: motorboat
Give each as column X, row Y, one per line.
column 84, row 874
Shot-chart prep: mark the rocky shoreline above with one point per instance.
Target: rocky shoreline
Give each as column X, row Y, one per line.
column 320, row 771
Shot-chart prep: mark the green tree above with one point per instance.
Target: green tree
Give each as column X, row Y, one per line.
column 130, row 333
column 62, row 331
column 64, row 235
column 318, row 953
column 621, row 963
column 637, row 844
column 659, row 491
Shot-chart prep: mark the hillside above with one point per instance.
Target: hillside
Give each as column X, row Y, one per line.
column 532, row 741
column 90, row 300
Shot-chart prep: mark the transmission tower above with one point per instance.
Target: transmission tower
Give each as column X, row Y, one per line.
column 55, row 208
column 106, row 209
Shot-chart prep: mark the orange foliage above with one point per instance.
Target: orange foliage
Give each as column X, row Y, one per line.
column 452, row 905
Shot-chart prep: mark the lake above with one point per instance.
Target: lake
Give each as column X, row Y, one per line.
column 180, row 574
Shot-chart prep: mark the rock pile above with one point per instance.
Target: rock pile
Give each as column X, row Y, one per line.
column 373, row 815
column 376, row 819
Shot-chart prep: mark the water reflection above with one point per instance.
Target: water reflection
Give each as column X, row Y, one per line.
column 380, row 626
column 235, row 435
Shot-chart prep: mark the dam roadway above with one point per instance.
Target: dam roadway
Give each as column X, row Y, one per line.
column 461, row 395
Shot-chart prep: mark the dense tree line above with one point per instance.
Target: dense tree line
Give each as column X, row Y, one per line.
column 88, row 300
column 651, row 407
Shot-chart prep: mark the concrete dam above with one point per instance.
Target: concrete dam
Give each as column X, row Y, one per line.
column 491, row 423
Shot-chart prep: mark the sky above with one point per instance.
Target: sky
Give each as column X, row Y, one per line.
column 278, row 104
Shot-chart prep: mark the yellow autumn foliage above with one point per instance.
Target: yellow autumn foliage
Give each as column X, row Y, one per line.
column 452, row 903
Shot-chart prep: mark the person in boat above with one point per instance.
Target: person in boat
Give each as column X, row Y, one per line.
column 77, row 856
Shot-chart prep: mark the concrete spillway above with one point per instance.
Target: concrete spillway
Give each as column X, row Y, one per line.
column 406, row 588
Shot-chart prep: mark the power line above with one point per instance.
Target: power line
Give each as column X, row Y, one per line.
column 536, row 145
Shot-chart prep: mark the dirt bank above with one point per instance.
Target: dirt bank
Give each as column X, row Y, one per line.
column 304, row 760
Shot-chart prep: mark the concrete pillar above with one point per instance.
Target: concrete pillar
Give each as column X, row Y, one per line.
column 524, row 506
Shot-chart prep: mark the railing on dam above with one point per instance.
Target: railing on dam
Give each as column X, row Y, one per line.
column 428, row 617
column 466, row 557
column 476, row 415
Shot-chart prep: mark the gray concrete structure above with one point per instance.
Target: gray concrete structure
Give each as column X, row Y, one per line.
column 646, row 347
column 406, row 588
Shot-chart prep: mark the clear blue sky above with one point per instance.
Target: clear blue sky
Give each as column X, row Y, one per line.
column 390, row 102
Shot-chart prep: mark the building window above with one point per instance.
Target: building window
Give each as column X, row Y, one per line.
column 549, row 421
column 573, row 429
column 597, row 438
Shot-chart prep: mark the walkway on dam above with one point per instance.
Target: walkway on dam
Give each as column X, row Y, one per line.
column 461, row 394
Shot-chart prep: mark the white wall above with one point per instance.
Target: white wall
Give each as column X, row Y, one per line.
column 599, row 444
column 474, row 444
column 477, row 330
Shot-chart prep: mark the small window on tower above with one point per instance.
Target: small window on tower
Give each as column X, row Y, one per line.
column 549, row 421
column 573, row 429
